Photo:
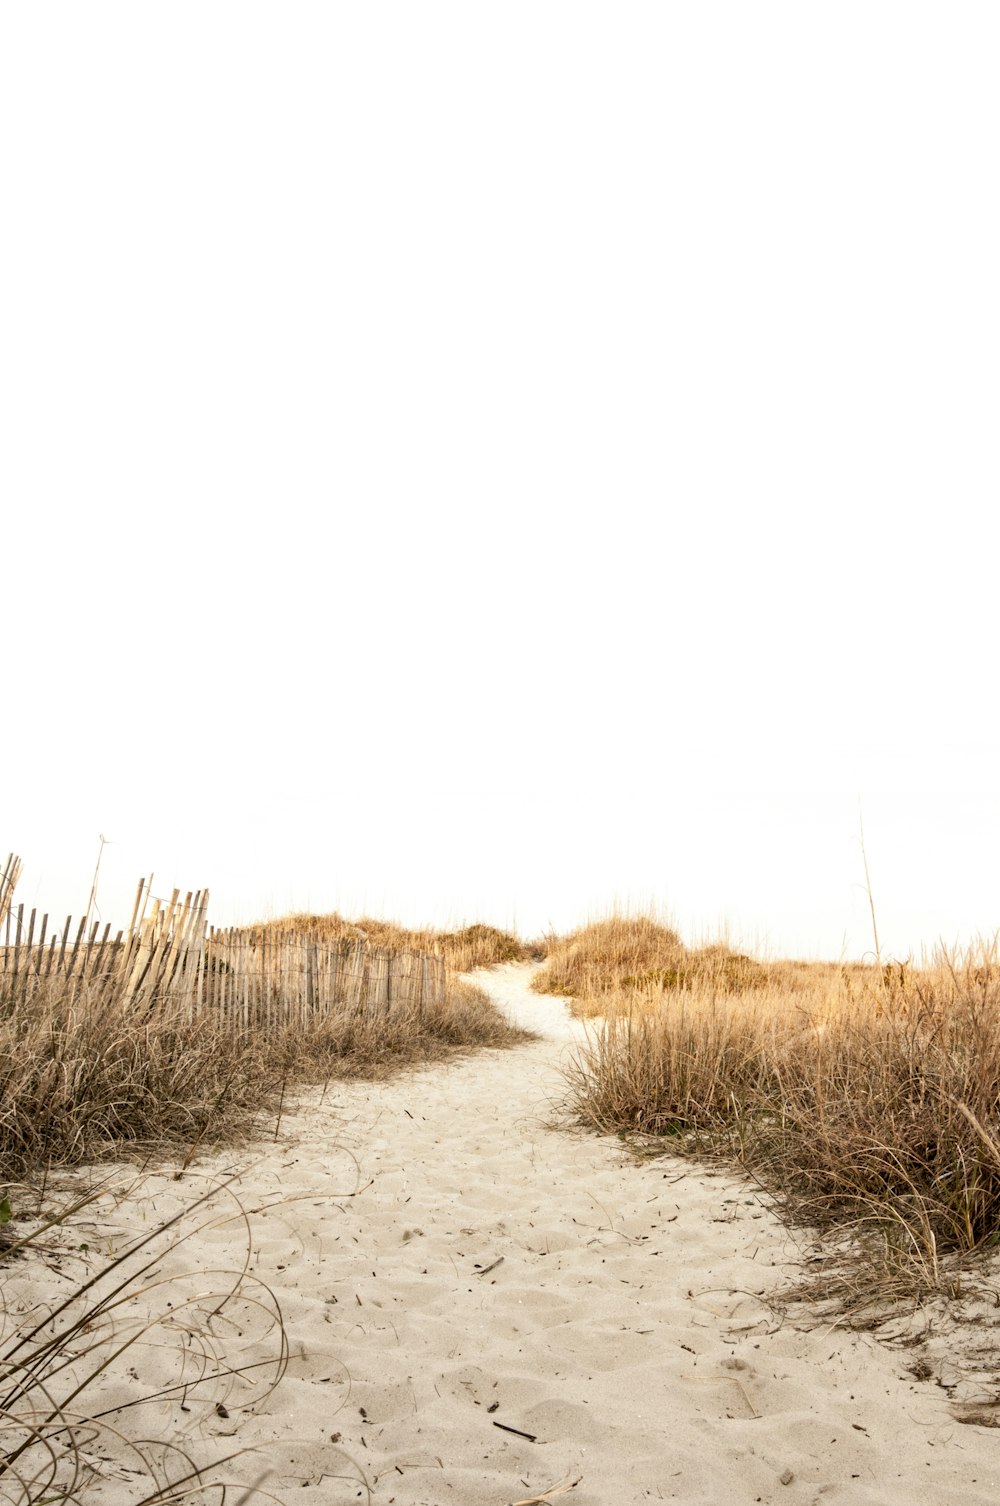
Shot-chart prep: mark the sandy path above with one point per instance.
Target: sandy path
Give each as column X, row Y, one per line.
column 498, row 1270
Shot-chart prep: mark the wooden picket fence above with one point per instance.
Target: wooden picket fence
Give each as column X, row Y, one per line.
column 171, row 959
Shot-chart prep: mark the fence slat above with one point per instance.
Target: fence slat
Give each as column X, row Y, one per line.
column 8, row 882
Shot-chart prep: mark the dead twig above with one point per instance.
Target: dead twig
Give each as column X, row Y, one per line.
column 549, row 1495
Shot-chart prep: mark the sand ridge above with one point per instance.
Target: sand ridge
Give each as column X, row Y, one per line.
column 508, row 1305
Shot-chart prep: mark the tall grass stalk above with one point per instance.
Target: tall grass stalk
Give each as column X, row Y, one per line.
column 73, row 1408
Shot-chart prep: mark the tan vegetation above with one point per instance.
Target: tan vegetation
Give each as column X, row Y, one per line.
column 469, row 947
column 596, row 959
column 637, row 953
column 172, row 1037
column 858, row 1096
column 82, row 1082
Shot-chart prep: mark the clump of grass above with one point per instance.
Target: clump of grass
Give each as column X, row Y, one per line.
column 481, row 946
column 356, row 1044
column 469, row 947
column 86, row 1080
column 640, row 954
column 890, row 1111
column 676, row 1065
column 594, row 961
column 80, row 1080
column 872, row 1102
column 714, row 967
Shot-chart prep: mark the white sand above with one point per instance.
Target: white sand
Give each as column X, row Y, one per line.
column 498, row 1270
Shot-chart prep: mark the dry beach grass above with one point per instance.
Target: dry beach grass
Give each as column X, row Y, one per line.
column 862, row 1098
column 80, row 1081
column 638, row 954
column 481, row 1304
column 463, row 949
column 504, row 1306
column 83, row 1079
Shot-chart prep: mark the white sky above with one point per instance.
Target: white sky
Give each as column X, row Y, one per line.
column 489, row 460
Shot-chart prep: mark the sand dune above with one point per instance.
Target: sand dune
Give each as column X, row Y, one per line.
column 508, row 1306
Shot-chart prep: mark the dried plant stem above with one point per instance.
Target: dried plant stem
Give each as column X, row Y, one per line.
column 868, row 886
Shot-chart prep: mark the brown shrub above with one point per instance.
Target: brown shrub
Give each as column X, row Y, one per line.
column 89, row 1080
column 595, row 960
column 873, row 1101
